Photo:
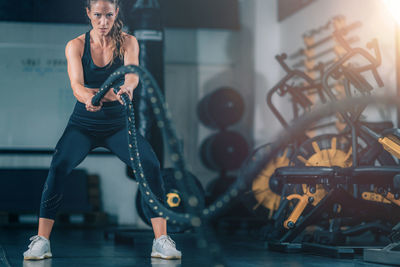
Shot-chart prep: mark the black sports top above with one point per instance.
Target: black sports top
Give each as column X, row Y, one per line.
column 93, row 75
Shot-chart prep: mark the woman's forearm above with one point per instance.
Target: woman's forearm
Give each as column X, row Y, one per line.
column 131, row 80
column 81, row 93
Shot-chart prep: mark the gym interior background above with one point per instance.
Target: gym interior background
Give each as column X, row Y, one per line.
column 208, row 46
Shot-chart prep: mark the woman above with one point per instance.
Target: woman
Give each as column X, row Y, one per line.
column 92, row 57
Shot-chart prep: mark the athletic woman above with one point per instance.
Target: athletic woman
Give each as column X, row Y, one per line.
column 92, row 57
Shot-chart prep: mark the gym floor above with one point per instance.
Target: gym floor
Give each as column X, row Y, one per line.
column 97, row 247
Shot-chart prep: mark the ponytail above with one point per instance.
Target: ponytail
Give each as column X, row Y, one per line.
column 118, row 39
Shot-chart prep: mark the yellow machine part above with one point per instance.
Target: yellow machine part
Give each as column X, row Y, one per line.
column 371, row 196
column 387, row 199
column 391, row 144
column 390, row 197
column 298, row 210
column 260, row 186
column 173, row 200
column 325, row 158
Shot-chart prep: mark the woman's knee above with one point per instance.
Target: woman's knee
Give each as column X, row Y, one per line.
column 59, row 168
column 151, row 168
column 153, row 176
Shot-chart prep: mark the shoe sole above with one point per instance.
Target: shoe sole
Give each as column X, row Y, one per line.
column 45, row 256
column 161, row 256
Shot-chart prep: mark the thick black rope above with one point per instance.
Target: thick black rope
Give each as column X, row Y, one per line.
column 186, row 186
column 196, row 215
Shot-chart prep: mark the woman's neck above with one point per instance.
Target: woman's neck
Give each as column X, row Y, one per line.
column 102, row 40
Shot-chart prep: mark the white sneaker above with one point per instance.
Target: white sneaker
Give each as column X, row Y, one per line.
column 39, row 248
column 164, row 248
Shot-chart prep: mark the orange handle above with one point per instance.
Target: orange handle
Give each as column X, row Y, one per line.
column 298, row 210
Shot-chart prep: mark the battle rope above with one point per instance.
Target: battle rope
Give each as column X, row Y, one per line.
column 164, row 122
column 196, row 213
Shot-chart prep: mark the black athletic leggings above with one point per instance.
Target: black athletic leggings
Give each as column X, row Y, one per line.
column 86, row 131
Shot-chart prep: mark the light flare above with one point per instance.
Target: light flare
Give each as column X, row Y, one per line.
column 394, row 8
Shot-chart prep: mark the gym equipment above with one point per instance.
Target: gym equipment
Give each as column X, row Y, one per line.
column 389, row 254
column 224, row 151
column 299, row 94
column 301, row 103
column 339, row 211
column 340, row 183
column 324, row 52
column 173, row 200
column 261, row 196
column 347, row 29
column 221, row 108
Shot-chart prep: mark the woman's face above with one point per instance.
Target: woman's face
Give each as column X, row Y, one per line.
column 102, row 15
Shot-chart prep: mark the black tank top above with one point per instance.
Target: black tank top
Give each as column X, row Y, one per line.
column 93, row 75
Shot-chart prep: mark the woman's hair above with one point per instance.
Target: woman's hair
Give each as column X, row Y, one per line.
column 115, row 32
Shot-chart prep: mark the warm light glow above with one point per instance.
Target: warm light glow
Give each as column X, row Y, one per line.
column 394, row 8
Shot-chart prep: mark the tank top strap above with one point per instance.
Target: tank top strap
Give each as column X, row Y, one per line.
column 86, row 49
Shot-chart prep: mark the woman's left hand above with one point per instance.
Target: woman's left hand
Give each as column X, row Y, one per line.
column 125, row 89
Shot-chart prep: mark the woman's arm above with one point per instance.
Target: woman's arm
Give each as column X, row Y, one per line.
column 75, row 70
column 73, row 53
column 131, row 56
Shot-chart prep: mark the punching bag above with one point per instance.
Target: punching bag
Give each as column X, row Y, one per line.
column 145, row 23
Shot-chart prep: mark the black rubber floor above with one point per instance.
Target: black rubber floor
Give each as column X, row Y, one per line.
column 97, row 247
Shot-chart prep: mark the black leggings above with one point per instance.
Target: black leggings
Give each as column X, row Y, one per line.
column 86, row 131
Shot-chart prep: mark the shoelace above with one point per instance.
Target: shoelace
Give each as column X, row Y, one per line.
column 34, row 239
column 169, row 241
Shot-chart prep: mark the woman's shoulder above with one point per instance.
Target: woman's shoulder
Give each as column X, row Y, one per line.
column 77, row 44
column 129, row 40
column 75, row 47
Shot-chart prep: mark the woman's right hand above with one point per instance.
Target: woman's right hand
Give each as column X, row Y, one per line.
column 90, row 107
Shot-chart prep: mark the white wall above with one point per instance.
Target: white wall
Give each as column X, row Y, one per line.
column 266, row 33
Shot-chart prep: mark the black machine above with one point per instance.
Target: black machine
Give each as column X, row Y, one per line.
column 328, row 188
